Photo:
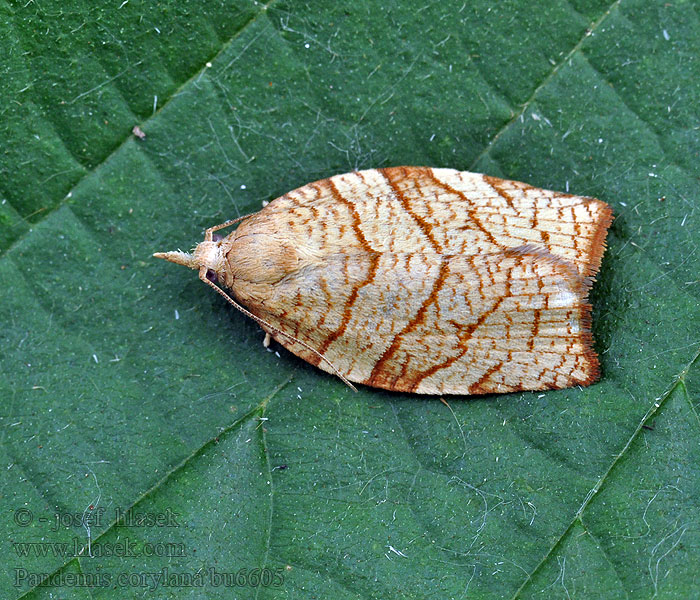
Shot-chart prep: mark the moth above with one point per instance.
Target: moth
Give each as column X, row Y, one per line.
column 417, row 279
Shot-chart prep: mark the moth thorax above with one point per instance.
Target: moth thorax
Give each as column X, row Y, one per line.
column 262, row 258
column 209, row 255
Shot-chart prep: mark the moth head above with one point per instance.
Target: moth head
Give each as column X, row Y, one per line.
column 207, row 254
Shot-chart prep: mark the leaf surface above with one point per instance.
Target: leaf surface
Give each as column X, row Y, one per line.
column 128, row 386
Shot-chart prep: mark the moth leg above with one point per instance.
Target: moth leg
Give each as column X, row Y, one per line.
column 267, row 340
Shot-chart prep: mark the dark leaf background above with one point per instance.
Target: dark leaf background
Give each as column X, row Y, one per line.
column 126, row 384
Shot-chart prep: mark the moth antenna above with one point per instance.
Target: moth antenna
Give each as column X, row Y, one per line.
column 208, row 233
column 179, row 258
column 259, row 321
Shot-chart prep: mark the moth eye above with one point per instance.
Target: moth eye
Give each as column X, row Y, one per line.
column 212, row 276
column 216, row 237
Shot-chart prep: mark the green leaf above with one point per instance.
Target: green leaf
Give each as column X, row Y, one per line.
column 127, row 385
